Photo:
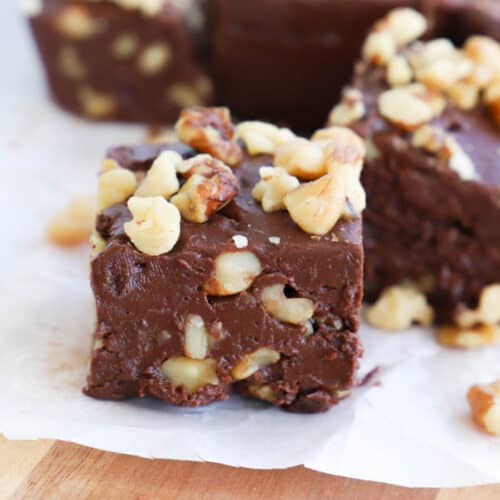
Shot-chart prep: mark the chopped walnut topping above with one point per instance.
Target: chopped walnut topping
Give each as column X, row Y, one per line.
column 399, row 71
column 341, row 147
column 234, row 272
column 487, row 312
column 405, row 25
column 193, row 374
column 436, row 141
column 211, row 131
column 211, row 185
column 254, row 362
column 73, row 225
column 115, row 185
column 379, row 47
column 276, row 183
column 156, row 225
column 439, row 64
column 469, row 337
column 261, row 137
column 484, row 402
column 485, row 52
column 410, row 106
column 464, row 95
column 295, row 310
column 398, row 307
column 317, row 206
column 161, row 178
column 350, row 109
column 301, row 158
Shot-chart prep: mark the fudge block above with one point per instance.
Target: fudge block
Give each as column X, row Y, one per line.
column 429, row 113
column 287, row 60
column 248, row 279
column 117, row 60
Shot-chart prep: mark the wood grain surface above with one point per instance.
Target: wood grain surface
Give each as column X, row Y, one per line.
column 56, row 470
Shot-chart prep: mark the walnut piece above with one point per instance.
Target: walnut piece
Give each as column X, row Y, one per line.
column 484, row 402
column 405, row 25
column 154, row 58
column 125, row 46
column 350, row 109
column 233, row 273
column 301, row 158
column 161, row 178
column 193, row 374
column 210, row 130
column 76, row 22
column 262, row 391
column 469, row 337
column 115, row 185
column 317, row 206
column 442, row 144
column 341, row 147
column 252, row 363
column 156, row 224
column 410, row 106
column 399, row 71
column 485, row 52
column 97, row 105
column 486, row 313
column 73, row 225
column 290, row 310
column 439, row 64
column 398, row 307
column 261, row 137
column 195, row 338
column 276, row 183
column 379, row 47
column 211, row 185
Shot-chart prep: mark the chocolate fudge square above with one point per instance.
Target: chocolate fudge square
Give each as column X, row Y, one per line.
column 430, row 112
column 248, row 279
column 121, row 60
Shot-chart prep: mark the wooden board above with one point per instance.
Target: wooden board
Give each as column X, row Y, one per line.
column 55, row 470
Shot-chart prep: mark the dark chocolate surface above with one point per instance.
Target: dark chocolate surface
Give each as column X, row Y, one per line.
column 423, row 222
column 138, row 297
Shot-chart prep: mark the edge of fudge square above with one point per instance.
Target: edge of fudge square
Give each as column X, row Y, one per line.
column 121, row 60
column 210, row 278
column 430, row 112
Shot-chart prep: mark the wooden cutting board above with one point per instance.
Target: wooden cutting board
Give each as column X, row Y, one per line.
column 57, row 470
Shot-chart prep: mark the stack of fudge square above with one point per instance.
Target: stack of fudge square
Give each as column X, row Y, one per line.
column 235, row 258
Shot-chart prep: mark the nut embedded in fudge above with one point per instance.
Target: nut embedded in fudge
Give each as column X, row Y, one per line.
column 120, row 60
column 244, row 277
column 429, row 112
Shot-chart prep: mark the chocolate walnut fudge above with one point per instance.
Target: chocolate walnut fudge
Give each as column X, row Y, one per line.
column 430, row 113
column 129, row 60
column 230, row 260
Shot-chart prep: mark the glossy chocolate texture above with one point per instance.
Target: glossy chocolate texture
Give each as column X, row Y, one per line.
column 138, row 297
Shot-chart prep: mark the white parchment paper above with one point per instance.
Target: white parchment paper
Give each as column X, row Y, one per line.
column 410, row 426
